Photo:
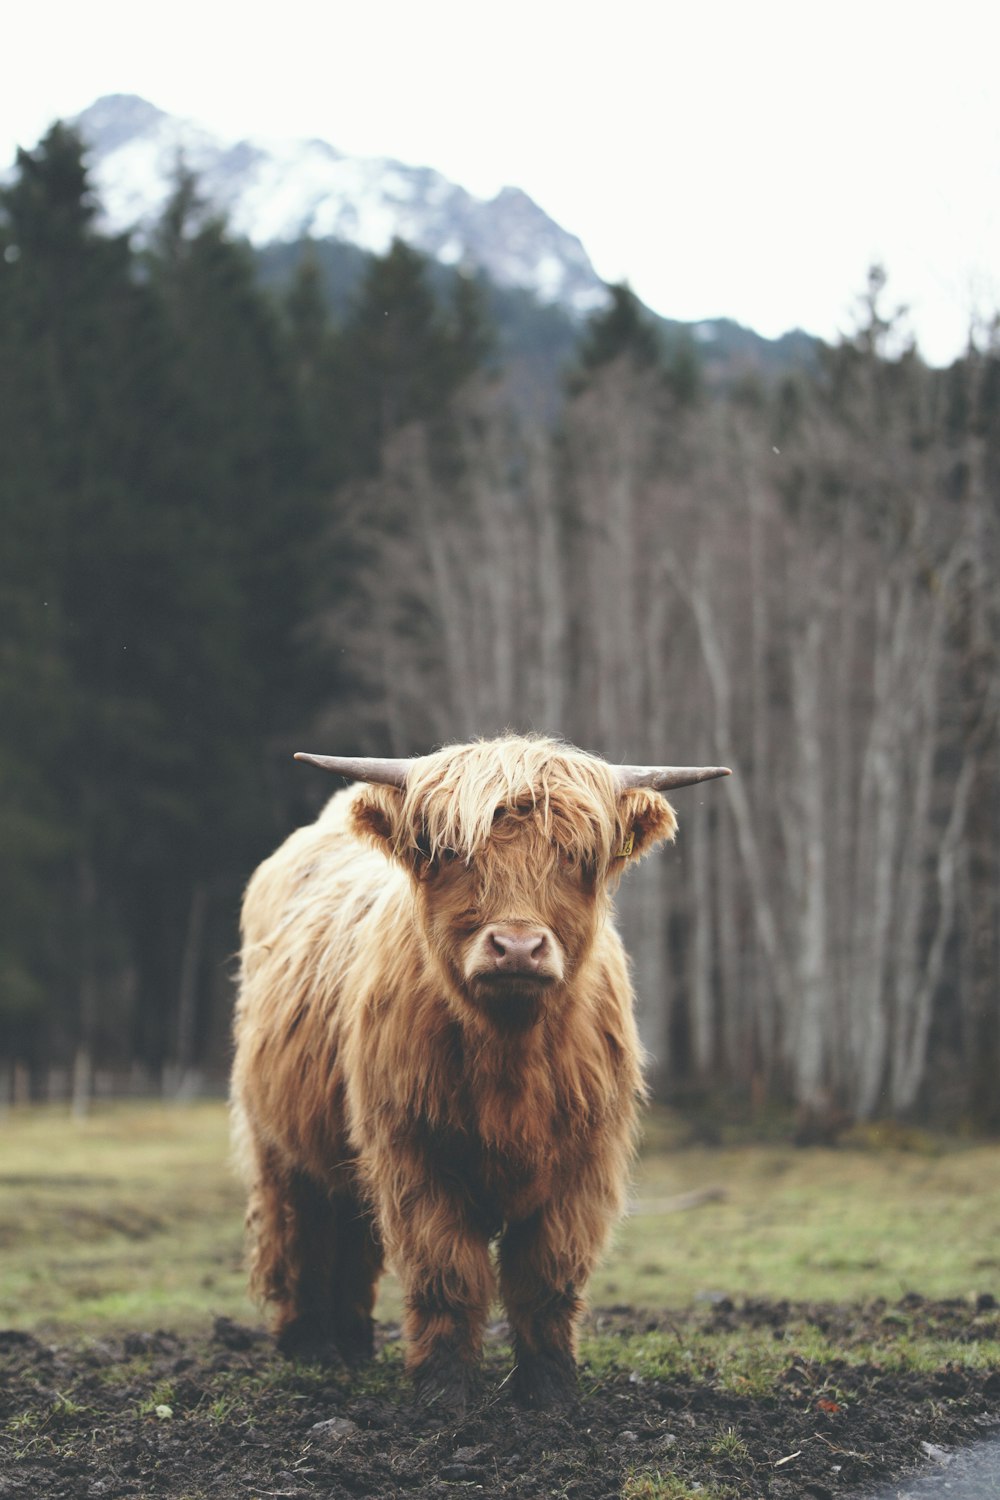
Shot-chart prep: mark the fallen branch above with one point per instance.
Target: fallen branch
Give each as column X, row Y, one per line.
column 679, row 1202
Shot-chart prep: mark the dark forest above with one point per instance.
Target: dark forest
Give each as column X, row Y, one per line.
column 236, row 523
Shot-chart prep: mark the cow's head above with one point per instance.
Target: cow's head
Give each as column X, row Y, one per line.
column 513, row 845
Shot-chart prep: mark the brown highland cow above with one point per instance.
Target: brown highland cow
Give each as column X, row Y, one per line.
column 435, row 1050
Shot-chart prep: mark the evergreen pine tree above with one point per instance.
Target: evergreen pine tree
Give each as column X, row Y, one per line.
column 91, row 587
column 400, row 356
column 624, row 331
column 620, row 330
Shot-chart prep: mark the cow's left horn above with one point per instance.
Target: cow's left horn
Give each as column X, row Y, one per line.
column 665, row 778
column 360, row 767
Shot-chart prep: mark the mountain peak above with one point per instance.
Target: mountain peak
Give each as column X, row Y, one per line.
column 114, row 119
column 274, row 190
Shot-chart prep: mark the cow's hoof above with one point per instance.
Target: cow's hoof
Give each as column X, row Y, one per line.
column 306, row 1343
column 444, row 1385
column 356, row 1342
column 544, row 1380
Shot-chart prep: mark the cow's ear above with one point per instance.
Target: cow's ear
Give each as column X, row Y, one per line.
column 645, row 819
column 376, row 816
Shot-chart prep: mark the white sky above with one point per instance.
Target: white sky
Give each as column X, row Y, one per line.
column 728, row 158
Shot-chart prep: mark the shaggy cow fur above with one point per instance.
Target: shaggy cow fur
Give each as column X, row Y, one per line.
column 435, row 1050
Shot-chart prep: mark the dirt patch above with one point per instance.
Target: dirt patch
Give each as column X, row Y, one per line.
column 154, row 1414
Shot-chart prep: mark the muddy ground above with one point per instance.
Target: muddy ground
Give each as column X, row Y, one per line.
column 154, row 1414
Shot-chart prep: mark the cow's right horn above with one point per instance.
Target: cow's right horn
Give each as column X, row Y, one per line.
column 360, row 767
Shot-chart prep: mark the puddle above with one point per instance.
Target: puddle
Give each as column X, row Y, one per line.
column 969, row 1474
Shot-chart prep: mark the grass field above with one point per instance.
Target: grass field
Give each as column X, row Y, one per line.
column 132, row 1217
column 132, row 1220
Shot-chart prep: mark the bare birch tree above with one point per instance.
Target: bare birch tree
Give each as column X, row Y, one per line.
column 658, row 581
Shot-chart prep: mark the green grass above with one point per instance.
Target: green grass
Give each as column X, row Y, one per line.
column 750, row 1361
column 133, row 1217
column 657, row 1486
column 818, row 1224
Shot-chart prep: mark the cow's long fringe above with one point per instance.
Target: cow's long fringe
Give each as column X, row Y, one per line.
column 452, row 797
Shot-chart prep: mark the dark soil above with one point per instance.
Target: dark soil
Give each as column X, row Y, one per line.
column 152, row 1414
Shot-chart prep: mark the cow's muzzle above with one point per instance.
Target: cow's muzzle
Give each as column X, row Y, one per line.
column 515, row 953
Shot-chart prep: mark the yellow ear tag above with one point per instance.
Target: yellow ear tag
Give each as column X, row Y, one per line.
column 627, row 847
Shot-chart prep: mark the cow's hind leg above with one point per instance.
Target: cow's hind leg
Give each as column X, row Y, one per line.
column 358, row 1261
column 315, row 1257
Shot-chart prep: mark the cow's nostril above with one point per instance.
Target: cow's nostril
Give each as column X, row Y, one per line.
column 517, row 951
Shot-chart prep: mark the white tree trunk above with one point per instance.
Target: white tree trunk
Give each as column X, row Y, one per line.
column 811, row 1071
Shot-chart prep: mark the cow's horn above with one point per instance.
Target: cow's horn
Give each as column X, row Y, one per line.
column 665, row 778
column 360, row 767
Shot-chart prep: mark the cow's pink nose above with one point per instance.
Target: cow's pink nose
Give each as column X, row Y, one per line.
column 517, row 952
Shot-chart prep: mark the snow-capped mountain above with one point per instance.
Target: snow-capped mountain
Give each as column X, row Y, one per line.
column 273, row 190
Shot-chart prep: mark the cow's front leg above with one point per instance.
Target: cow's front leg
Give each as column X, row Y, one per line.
column 542, row 1272
column 442, row 1256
